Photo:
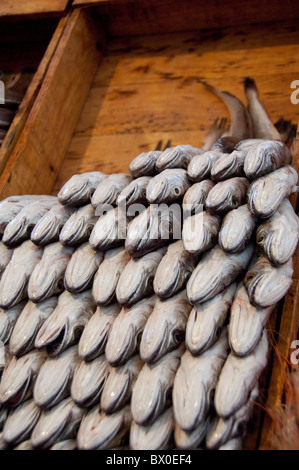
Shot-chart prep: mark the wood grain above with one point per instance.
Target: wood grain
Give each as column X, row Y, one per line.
column 31, row 8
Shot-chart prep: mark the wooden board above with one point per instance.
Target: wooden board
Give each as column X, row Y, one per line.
column 32, row 8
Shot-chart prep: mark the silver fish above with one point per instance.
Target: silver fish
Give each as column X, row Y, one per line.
column 195, row 198
column 165, row 328
column 216, row 271
column 48, row 228
column 278, row 236
column 47, row 277
column 155, row 436
column 5, row 257
column 174, row 270
column 195, row 382
column 167, row 186
column 226, row 144
column 109, row 189
column 201, row 165
column 152, row 390
column 135, row 192
column 266, row 157
column 245, row 145
column 191, row 439
column 200, row 232
column 28, row 324
column 95, row 334
column 8, row 320
column 144, row 164
column 227, row 195
column 267, row 192
column 136, row 280
column 64, row 327
column 79, row 226
column 100, row 431
column 81, row 268
column 126, row 331
column 14, row 281
column 67, row 444
column 107, row 276
column 53, row 382
column 206, row 321
column 56, row 424
column 228, row 166
column 110, row 230
column 21, row 422
column 177, row 157
column 118, row 386
column 236, row 229
column 238, row 378
column 232, row 444
column 79, row 189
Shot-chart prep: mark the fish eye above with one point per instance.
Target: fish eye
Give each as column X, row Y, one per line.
column 143, row 194
column 260, row 239
column 60, row 285
column 234, row 201
column 78, row 333
column 89, row 230
column 169, row 396
column 218, row 333
column 30, row 228
column 272, row 159
column 177, row 336
column 248, row 277
column 177, row 191
column 151, row 283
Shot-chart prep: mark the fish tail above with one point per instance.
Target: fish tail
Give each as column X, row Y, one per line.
column 250, row 85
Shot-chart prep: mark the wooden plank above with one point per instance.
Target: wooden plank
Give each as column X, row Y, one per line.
column 13, row 8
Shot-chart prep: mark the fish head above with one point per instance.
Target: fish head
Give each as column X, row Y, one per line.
column 144, row 164
column 48, row 228
column 20, row 423
column 169, row 185
column 13, row 286
column 78, row 227
column 135, row 191
column 8, row 319
column 263, row 158
column 173, row 157
column 76, row 188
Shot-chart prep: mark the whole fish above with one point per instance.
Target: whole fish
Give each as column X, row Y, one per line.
column 64, row 327
column 109, row 189
column 167, row 186
column 21, row 422
column 47, row 277
column 81, row 268
column 79, row 226
column 100, row 431
column 227, row 195
column 278, row 236
column 144, row 164
column 228, row 166
column 266, row 193
column 107, row 276
column 126, row 331
column 118, row 386
column 236, row 229
column 29, row 322
column 177, row 157
column 137, row 279
column 165, row 328
column 110, row 230
column 14, row 280
column 8, row 320
column 195, row 382
column 238, row 377
column 79, row 189
column 216, row 271
column 201, row 165
column 134, row 192
column 174, row 270
column 200, row 232
column 5, row 257
column 95, row 334
column 56, row 424
column 207, row 319
column 155, row 436
column 266, row 157
column 48, row 228
column 89, row 380
column 191, row 439
column 152, row 390
column 53, row 382
column 67, row 444
column 195, row 198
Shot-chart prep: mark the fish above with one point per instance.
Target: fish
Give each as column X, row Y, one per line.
column 195, row 198
column 79, row 226
column 109, row 189
column 238, row 377
column 237, row 229
column 110, row 230
column 167, row 186
column 14, row 280
column 226, row 144
column 177, row 157
column 267, row 284
column 8, row 319
column 287, row 131
column 95, row 334
column 79, row 189
column 134, row 192
column 48, row 228
column 144, row 164
column 265, row 157
column 67, row 444
column 28, row 323
column 99, row 431
column 107, row 276
column 195, row 382
column 137, row 279
column 245, row 145
column 3, row 445
column 54, row 379
column 5, row 257
column 227, row 195
column 155, row 436
column 218, row 127
column 246, row 323
column 152, row 390
column 215, row 271
column 230, row 165
column 207, row 319
column 5, row 358
column 201, row 165
column 3, row 412
column 57, row 423
column 278, row 235
column 89, row 380
column 126, row 331
column 21, row 422
column 200, row 232
column 261, row 122
column 47, row 277
column 164, row 330
column 21, row 226
column 18, row 378
column 64, row 327
column 81, row 268
column 191, row 439
column 174, row 270
column 266, row 193
column 118, row 386
column 25, row 445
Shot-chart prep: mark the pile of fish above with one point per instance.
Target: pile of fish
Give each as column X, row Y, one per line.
column 145, row 328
